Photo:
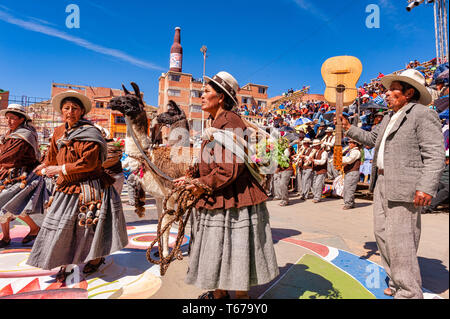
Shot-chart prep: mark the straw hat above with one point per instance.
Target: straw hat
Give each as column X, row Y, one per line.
column 412, row 77
column 306, row 140
column 16, row 108
column 227, row 83
column 56, row 101
column 315, row 142
column 329, row 129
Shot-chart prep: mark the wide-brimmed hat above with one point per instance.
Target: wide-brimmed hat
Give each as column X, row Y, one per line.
column 353, row 141
column 227, row 83
column 16, row 108
column 56, row 101
column 329, row 129
column 413, row 78
column 316, row 142
column 306, row 140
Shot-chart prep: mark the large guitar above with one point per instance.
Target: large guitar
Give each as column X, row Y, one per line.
column 340, row 74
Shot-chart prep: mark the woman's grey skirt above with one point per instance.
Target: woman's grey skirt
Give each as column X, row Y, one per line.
column 29, row 200
column 61, row 241
column 231, row 249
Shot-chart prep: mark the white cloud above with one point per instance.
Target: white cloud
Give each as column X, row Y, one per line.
column 308, row 6
column 39, row 27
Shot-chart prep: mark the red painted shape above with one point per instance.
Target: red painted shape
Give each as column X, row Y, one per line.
column 6, row 291
column 81, row 285
column 55, row 285
column 32, row 286
column 317, row 248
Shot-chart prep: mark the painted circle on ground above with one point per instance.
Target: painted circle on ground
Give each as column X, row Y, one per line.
column 144, row 239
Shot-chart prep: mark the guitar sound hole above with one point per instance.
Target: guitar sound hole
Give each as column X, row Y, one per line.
column 340, row 88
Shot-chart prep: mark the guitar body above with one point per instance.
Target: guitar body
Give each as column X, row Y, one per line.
column 341, row 71
column 340, row 74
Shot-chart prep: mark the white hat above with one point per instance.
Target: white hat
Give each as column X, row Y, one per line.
column 446, row 153
column 56, row 101
column 329, row 129
column 16, row 108
column 412, row 77
column 366, row 96
column 306, row 140
column 315, row 142
column 226, row 82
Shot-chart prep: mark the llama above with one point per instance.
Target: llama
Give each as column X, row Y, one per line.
column 173, row 161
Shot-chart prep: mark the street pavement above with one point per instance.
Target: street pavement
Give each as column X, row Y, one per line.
column 322, row 252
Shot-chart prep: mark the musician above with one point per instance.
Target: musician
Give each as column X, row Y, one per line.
column 320, row 170
column 351, row 161
column 298, row 163
column 408, row 161
column 307, row 173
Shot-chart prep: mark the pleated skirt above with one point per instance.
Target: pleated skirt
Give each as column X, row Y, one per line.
column 231, row 249
column 29, row 200
column 61, row 241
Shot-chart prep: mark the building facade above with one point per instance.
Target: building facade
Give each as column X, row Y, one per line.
column 186, row 91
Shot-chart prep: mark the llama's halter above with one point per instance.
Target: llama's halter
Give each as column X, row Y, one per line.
column 185, row 203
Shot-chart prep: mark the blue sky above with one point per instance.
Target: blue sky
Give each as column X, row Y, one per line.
column 281, row 43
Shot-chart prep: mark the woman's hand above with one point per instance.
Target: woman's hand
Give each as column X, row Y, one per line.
column 51, row 171
column 196, row 191
column 180, row 181
column 39, row 168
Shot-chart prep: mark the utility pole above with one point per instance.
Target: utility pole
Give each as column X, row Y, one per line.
column 203, row 49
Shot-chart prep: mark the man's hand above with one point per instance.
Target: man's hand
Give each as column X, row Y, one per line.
column 345, row 123
column 422, row 199
column 196, row 191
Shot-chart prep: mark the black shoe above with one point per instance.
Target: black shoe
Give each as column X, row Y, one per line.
column 4, row 243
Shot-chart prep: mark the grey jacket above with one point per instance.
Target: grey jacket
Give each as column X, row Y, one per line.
column 414, row 153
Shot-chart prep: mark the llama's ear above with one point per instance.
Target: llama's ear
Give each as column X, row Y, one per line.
column 125, row 89
column 136, row 89
column 175, row 106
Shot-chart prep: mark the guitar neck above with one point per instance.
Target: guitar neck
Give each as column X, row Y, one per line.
column 339, row 106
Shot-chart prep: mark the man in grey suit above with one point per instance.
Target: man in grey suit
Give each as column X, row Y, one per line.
column 407, row 164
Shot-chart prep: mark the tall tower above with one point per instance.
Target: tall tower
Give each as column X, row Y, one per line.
column 176, row 52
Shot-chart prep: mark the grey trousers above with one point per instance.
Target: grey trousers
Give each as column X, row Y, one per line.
column 397, row 228
column 307, row 178
column 351, row 180
column 332, row 172
column 317, row 185
column 299, row 181
column 281, row 184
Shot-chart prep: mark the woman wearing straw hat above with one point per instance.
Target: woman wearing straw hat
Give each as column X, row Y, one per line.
column 85, row 221
column 21, row 191
column 231, row 243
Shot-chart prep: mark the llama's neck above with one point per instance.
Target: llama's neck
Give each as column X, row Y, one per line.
column 140, row 132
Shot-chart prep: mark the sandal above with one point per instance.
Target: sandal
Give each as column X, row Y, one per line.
column 210, row 295
column 4, row 243
column 90, row 268
column 29, row 238
column 62, row 274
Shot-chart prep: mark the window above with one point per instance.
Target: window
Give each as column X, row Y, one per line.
column 120, row 135
column 195, row 108
column 262, row 103
column 99, row 105
column 174, row 77
column 119, row 120
column 196, row 93
column 173, row 92
column 261, row 90
column 244, row 100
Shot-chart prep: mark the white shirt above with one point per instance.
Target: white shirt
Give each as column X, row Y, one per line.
column 380, row 158
column 322, row 160
column 351, row 156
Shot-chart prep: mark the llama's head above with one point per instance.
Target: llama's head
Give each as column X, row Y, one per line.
column 130, row 104
column 173, row 114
